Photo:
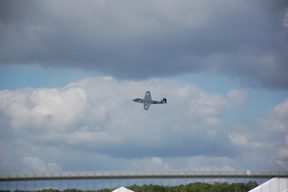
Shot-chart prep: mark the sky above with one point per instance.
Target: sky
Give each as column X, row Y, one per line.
column 70, row 69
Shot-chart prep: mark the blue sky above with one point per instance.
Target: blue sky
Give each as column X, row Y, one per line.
column 18, row 77
column 68, row 72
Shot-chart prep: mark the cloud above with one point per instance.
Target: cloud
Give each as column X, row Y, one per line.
column 276, row 124
column 243, row 141
column 37, row 165
column 276, row 119
column 153, row 163
column 239, row 39
column 92, row 124
column 207, row 164
column 267, row 135
column 285, row 18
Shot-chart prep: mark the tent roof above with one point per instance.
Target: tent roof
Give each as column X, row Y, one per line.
column 274, row 184
column 122, row 189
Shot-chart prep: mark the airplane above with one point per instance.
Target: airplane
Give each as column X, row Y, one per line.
column 147, row 101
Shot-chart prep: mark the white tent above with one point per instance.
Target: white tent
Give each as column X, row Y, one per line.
column 273, row 185
column 122, row 189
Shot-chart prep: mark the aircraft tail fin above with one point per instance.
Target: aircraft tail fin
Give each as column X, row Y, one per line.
column 164, row 100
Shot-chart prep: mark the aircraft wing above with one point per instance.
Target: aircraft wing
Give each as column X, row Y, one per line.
column 147, row 96
column 146, row 105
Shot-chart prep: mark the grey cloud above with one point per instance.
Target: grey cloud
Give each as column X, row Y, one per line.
column 150, row 39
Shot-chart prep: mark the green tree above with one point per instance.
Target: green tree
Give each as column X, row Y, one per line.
column 251, row 185
column 191, row 187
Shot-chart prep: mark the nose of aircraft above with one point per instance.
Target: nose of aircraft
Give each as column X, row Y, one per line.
column 137, row 100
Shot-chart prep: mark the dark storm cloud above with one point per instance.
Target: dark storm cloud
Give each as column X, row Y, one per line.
column 198, row 143
column 138, row 40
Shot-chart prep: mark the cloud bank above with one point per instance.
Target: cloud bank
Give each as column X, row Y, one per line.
column 241, row 39
column 93, row 125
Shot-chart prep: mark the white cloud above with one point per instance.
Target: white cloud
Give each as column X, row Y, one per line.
column 203, row 163
column 276, row 124
column 95, row 119
column 276, row 119
column 243, row 141
column 266, row 138
column 282, row 109
column 33, row 164
column 153, row 163
column 285, row 18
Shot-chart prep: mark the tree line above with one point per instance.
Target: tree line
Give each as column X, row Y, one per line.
column 192, row 187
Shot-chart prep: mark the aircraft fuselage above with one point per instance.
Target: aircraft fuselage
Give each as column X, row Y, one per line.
column 138, row 100
column 147, row 101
